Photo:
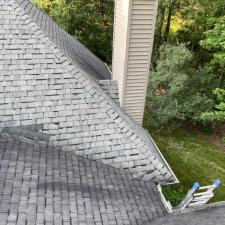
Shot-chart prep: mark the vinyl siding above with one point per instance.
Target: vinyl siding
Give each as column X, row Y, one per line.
column 120, row 43
column 136, row 47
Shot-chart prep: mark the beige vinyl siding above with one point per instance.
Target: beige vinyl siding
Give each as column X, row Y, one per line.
column 120, row 43
column 133, row 70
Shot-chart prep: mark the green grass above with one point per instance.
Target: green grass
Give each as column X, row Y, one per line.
column 192, row 159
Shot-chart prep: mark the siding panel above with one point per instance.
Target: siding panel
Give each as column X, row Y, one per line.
column 139, row 41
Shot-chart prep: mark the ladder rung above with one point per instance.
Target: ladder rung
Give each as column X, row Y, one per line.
column 202, row 193
column 198, row 203
column 206, row 187
column 203, row 197
column 200, row 200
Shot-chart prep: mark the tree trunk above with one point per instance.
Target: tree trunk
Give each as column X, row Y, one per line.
column 168, row 22
column 222, row 80
column 161, row 20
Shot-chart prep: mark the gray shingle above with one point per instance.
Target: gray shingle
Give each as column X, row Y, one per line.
column 55, row 187
column 207, row 216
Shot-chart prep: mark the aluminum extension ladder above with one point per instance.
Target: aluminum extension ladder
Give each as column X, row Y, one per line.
column 198, row 196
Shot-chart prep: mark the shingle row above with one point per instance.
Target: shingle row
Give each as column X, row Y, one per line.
column 41, row 185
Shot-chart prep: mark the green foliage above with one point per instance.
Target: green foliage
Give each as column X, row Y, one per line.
column 215, row 43
column 192, row 18
column 166, row 10
column 174, row 193
column 91, row 21
column 219, row 113
column 177, row 91
column 195, row 16
column 223, row 140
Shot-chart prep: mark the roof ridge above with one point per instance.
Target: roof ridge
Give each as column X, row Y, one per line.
column 28, row 139
column 129, row 128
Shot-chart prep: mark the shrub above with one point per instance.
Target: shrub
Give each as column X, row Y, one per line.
column 177, row 91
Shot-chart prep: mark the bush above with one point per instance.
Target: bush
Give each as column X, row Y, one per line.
column 219, row 113
column 177, row 91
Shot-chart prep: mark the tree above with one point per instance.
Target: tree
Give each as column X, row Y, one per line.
column 192, row 17
column 171, row 5
column 91, row 21
column 215, row 43
column 166, row 9
column 177, row 91
column 219, row 113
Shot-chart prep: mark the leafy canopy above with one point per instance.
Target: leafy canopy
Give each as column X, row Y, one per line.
column 91, row 21
column 215, row 43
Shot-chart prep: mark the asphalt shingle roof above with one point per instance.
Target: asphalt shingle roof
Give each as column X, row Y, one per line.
column 143, row 159
column 67, row 44
column 45, row 185
column 42, row 185
column 208, row 216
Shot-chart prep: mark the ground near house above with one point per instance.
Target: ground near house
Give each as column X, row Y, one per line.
column 193, row 157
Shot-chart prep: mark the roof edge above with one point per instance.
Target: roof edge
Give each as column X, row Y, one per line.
column 176, row 180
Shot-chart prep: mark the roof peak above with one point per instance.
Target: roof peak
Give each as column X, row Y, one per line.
column 68, row 44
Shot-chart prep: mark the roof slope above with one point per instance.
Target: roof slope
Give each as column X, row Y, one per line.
column 208, row 216
column 146, row 162
column 67, row 44
column 42, row 185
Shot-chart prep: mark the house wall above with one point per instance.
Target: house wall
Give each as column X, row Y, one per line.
column 134, row 27
column 38, row 86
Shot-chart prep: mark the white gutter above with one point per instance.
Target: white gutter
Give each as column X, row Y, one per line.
column 176, row 181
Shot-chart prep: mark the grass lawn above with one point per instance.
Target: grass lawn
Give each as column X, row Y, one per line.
column 192, row 158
